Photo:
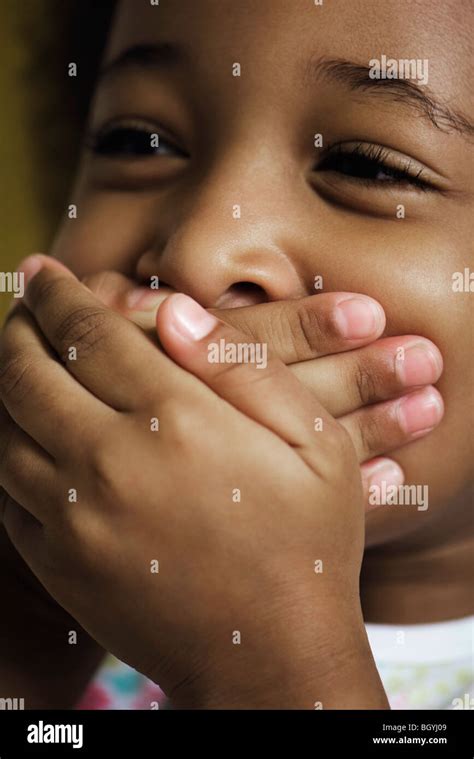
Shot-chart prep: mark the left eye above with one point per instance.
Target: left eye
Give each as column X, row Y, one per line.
column 131, row 141
column 372, row 165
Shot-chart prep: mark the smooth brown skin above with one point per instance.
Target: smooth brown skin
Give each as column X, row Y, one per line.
column 164, row 230
column 302, row 632
column 306, row 330
column 252, row 138
column 358, row 380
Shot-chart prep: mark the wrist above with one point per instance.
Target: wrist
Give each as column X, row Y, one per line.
column 299, row 667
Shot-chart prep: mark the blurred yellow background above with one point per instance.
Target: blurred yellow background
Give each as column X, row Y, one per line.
column 42, row 114
column 23, row 228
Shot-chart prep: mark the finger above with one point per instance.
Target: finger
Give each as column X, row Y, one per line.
column 27, row 473
column 111, row 287
column 34, row 266
column 138, row 303
column 104, row 351
column 248, row 376
column 378, row 475
column 39, row 394
column 295, row 330
column 377, row 372
column 375, row 430
column 310, row 327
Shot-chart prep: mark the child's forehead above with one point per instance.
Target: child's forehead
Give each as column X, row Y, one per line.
column 279, row 35
column 414, row 28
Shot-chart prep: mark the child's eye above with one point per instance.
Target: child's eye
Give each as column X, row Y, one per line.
column 131, row 140
column 373, row 164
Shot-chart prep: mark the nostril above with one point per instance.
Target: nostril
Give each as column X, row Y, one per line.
column 242, row 294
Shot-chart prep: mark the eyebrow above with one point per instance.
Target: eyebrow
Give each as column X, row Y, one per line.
column 154, row 57
column 145, row 57
column 356, row 77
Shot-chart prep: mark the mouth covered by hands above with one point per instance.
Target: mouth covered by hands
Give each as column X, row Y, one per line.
column 201, row 521
column 379, row 388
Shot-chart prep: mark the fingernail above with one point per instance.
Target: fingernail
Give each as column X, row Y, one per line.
column 385, row 472
column 142, row 299
column 29, row 267
column 357, row 318
column 421, row 364
column 191, row 319
column 420, row 411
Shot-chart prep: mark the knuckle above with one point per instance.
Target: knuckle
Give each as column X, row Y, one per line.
column 182, row 426
column 85, row 328
column 226, row 377
column 339, row 451
column 279, row 332
column 243, row 321
column 239, row 377
column 44, row 287
column 103, row 465
column 345, row 443
column 370, row 433
column 342, row 444
column 366, row 383
column 16, row 371
column 106, row 456
column 307, row 330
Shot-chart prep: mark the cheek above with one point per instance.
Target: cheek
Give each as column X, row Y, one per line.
column 413, row 282
column 420, row 300
column 110, row 233
column 444, row 459
column 409, row 273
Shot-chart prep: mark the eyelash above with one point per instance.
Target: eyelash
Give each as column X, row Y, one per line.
column 368, row 160
column 111, row 141
column 372, row 159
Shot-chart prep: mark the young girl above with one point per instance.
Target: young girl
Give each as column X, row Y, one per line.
column 206, row 528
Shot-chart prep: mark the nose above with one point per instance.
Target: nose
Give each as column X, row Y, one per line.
column 228, row 245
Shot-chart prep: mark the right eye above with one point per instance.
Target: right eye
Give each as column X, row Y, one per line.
column 131, row 140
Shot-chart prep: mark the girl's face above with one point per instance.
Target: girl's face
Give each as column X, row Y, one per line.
column 241, row 203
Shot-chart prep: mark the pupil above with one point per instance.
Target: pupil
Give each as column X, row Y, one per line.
column 358, row 166
column 129, row 141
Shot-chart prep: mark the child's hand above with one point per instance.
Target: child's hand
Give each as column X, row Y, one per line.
column 220, row 555
column 360, row 381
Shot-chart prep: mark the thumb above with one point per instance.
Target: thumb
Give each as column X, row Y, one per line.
column 250, row 378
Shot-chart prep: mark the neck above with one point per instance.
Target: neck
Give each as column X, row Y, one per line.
column 419, row 584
